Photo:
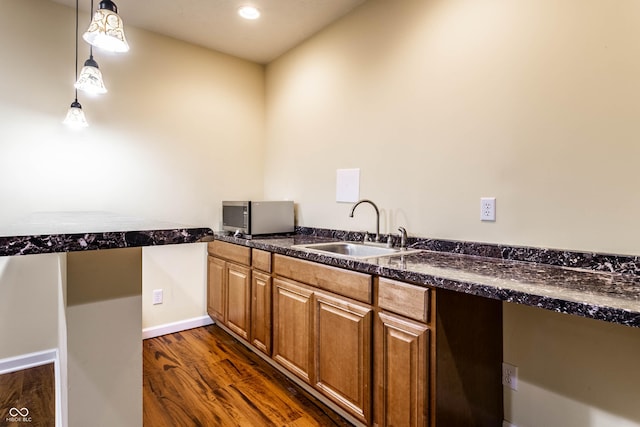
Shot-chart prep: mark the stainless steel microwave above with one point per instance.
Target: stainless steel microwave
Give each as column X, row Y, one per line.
column 254, row 218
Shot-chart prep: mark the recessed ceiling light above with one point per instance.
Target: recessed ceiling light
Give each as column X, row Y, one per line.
column 249, row 12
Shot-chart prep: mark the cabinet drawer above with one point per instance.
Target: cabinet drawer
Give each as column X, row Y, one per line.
column 350, row 284
column 231, row 252
column 402, row 298
column 261, row 260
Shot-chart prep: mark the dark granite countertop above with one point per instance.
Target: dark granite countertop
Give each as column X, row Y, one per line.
column 50, row 232
column 608, row 296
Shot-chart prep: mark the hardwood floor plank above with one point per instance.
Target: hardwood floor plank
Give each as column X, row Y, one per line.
column 33, row 389
column 205, row 377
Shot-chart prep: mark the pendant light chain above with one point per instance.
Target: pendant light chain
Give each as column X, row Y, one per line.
column 90, row 17
column 76, row 70
column 75, row 116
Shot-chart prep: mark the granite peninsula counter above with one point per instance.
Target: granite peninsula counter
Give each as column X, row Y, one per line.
column 587, row 291
column 50, row 232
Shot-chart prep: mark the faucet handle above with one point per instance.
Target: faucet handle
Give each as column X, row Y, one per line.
column 366, row 237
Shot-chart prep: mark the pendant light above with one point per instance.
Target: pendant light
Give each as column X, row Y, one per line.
column 106, row 30
column 75, row 116
column 90, row 80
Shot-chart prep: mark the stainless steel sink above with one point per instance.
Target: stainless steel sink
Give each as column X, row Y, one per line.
column 355, row 250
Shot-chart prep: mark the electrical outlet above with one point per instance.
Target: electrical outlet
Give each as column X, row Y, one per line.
column 510, row 376
column 157, row 296
column 487, row 209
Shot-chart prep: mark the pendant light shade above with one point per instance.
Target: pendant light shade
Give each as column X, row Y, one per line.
column 106, row 30
column 90, row 80
column 75, row 116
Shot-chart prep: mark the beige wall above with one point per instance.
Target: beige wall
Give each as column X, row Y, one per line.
column 158, row 143
column 442, row 102
column 174, row 269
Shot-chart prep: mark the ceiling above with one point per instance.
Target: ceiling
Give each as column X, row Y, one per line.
column 216, row 25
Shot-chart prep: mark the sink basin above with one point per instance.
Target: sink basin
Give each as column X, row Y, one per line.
column 355, row 250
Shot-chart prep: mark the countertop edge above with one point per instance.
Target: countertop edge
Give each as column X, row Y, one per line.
column 594, row 310
column 75, row 242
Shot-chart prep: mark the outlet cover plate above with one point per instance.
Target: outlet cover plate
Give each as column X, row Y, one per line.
column 510, row 376
column 487, row 209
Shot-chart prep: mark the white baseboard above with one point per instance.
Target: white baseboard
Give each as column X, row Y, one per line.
column 170, row 328
column 30, row 360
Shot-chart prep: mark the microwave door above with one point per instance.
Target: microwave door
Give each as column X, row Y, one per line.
column 235, row 217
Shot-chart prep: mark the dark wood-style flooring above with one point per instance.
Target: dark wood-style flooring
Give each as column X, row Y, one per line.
column 205, row 377
column 200, row 377
column 29, row 393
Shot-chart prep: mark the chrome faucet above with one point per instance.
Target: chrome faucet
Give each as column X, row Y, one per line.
column 377, row 215
column 403, row 237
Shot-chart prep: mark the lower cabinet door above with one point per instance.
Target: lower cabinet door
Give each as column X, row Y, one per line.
column 261, row 311
column 238, row 299
column 216, row 296
column 343, row 353
column 401, row 371
column 292, row 327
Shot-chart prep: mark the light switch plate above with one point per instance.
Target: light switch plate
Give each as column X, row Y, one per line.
column 157, row 296
column 347, row 185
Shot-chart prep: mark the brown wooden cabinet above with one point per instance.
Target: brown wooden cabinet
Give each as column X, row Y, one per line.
column 238, row 301
column 388, row 353
column 324, row 337
column 261, row 311
column 402, row 365
column 342, row 346
column 216, row 289
column 403, row 355
column 229, row 286
column 292, row 327
column 261, row 285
